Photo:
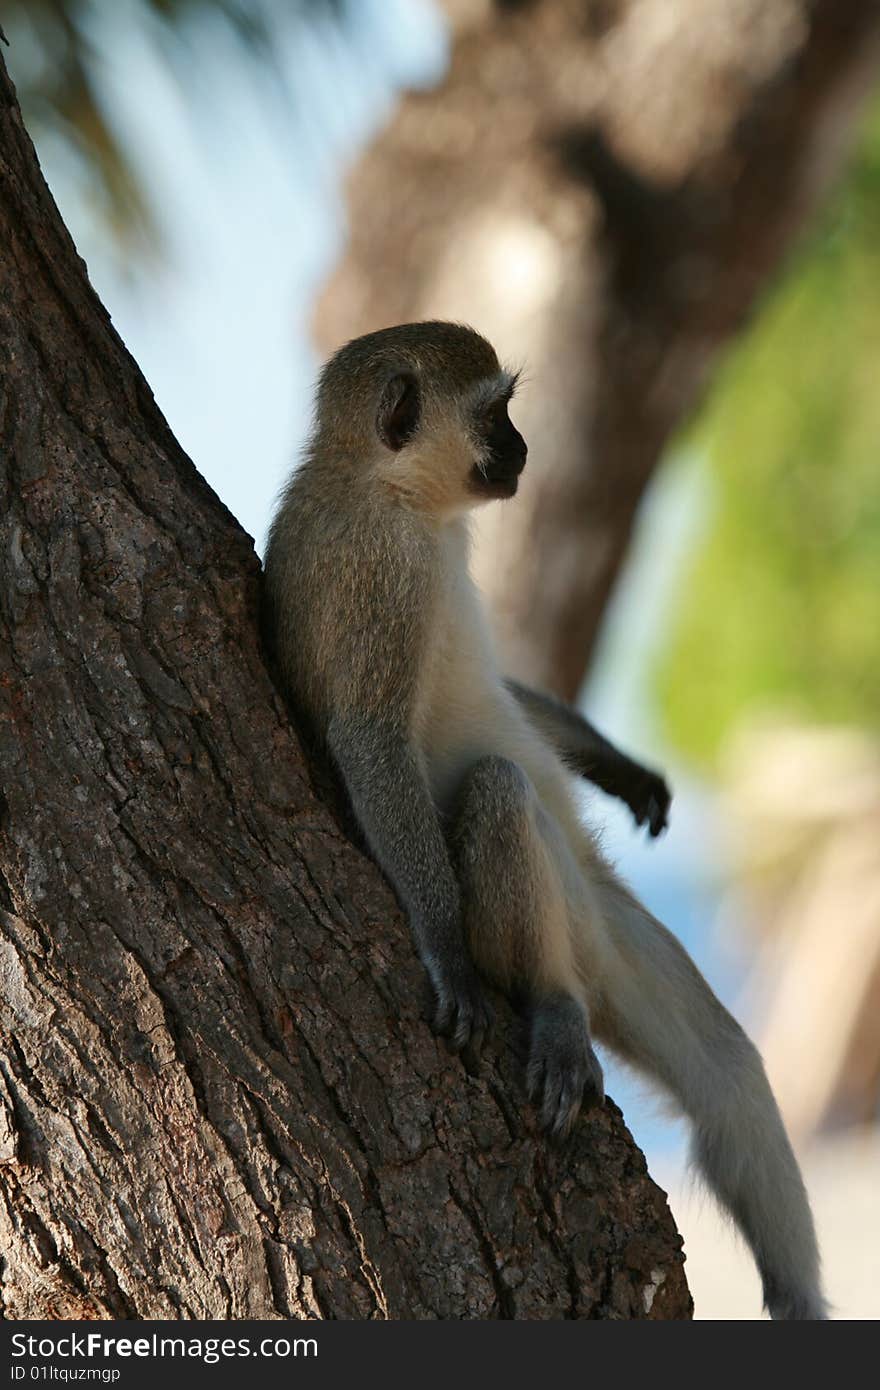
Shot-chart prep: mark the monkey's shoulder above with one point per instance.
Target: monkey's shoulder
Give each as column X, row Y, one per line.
column 368, row 591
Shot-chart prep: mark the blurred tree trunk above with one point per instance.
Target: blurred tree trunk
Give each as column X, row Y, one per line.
column 217, row 1096
column 603, row 187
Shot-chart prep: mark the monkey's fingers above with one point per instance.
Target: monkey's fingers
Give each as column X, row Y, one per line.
column 535, row 1077
column 472, row 1052
column 581, row 1086
column 563, row 1070
column 649, row 799
column 444, row 1012
column 475, row 1018
column 560, row 1102
column 463, row 1016
column 556, row 1094
column 657, row 814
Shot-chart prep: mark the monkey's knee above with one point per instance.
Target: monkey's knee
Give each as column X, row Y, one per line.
column 516, row 912
column 493, row 827
column 496, row 790
column 492, row 833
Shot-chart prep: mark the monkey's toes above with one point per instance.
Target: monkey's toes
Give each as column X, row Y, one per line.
column 563, row 1071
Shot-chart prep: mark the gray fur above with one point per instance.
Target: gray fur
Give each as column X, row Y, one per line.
column 394, row 810
column 462, row 783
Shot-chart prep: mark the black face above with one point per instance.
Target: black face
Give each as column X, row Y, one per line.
column 505, row 453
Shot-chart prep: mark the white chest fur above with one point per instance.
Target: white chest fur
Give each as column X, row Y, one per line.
column 463, row 710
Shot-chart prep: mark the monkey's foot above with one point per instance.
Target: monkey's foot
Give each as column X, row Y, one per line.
column 462, row 1013
column 563, row 1070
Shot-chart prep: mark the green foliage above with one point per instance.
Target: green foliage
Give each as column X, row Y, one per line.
column 781, row 604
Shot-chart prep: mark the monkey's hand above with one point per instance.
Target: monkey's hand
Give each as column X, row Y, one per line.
column 646, row 794
column 644, row 791
column 592, row 755
column 462, row 1013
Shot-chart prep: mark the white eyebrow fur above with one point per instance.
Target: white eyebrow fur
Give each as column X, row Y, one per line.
column 493, row 388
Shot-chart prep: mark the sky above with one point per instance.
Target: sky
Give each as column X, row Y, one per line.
column 244, row 177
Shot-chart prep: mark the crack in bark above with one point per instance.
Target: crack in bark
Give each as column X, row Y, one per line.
column 503, row 1295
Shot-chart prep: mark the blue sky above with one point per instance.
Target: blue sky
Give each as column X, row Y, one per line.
column 243, row 173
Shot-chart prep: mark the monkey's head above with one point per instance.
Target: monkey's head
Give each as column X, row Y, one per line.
column 423, row 408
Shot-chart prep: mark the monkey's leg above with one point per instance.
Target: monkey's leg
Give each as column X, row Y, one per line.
column 399, row 821
column 517, row 919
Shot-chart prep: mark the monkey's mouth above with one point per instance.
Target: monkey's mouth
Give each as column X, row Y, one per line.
column 499, row 478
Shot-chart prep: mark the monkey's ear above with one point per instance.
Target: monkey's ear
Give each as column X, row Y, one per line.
column 400, row 409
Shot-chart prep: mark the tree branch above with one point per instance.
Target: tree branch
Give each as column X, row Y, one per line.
column 219, row 1098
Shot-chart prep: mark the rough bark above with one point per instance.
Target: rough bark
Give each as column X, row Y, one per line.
column 217, row 1094
column 604, row 186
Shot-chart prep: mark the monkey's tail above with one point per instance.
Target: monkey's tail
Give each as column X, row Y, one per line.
column 657, row 1011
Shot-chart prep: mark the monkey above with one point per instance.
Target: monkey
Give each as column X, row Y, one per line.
column 462, row 783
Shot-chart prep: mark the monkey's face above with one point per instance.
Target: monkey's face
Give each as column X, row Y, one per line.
column 453, row 451
column 501, row 449
column 425, row 407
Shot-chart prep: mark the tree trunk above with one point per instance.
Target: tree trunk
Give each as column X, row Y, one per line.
column 217, row 1094
column 603, row 187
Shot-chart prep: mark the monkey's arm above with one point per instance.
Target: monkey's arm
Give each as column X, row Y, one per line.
column 595, row 758
column 393, row 807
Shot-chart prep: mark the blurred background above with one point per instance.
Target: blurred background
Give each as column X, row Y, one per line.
column 668, row 211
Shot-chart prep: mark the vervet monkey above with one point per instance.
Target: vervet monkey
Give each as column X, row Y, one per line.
column 459, row 780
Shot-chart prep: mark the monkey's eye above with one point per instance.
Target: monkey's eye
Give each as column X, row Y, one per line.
column 497, row 414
